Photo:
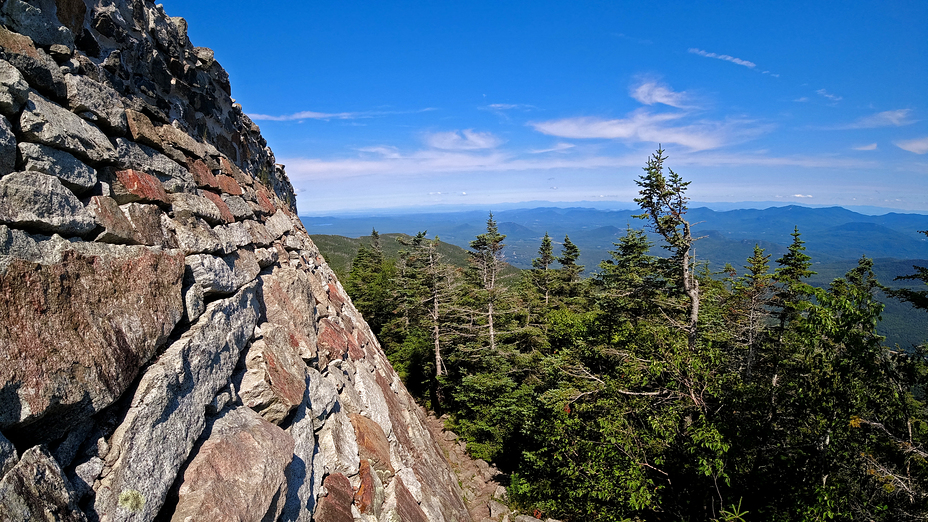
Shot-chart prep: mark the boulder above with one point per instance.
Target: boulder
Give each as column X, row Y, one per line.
column 237, row 206
column 275, row 377
column 147, row 225
column 237, row 471
column 373, row 445
column 193, row 204
column 13, row 89
column 222, row 275
column 287, row 302
column 167, row 412
column 38, row 68
column 336, row 505
column 134, row 185
column 278, row 224
column 40, row 202
column 228, row 185
column 39, row 23
column 175, row 178
column 232, row 236
column 73, row 173
column 44, row 122
column 36, row 489
column 224, row 212
column 338, row 448
column 193, row 235
column 97, row 102
column 82, row 341
column 370, row 494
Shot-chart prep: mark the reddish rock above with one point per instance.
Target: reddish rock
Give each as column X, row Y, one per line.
column 142, row 130
column 332, row 339
column 264, row 200
column 364, row 497
column 134, row 185
column 289, row 305
column 237, row 471
column 73, row 334
column 229, row 169
column 147, row 226
column 17, row 43
column 336, row 505
column 202, row 174
column 116, row 227
column 406, row 506
column 275, row 378
column 228, row 185
column 372, row 443
column 224, row 211
column 354, row 348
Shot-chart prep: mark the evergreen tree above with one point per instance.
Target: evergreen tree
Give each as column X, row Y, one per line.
column 487, row 260
column 542, row 274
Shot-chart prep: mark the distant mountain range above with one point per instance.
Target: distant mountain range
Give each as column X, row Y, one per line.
column 835, row 239
column 831, row 234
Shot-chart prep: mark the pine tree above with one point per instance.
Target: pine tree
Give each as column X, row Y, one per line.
column 542, row 273
column 487, row 259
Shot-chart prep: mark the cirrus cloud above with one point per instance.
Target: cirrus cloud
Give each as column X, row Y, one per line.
column 918, row 145
column 468, row 139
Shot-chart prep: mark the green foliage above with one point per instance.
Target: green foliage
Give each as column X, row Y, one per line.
column 657, row 390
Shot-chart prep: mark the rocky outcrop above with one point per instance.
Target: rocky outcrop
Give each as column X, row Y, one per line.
column 172, row 345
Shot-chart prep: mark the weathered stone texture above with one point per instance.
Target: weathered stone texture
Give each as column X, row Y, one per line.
column 167, row 414
column 13, row 88
column 36, row 489
column 73, row 334
column 274, row 379
column 336, row 505
column 44, row 122
column 40, row 202
column 237, row 471
column 73, row 173
column 97, row 102
column 7, row 147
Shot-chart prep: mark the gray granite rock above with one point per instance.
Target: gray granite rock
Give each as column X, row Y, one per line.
column 278, row 224
column 8, row 455
column 98, row 103
column 38, row 68
column 175, row 178
column 36, row 489
column 44, row 122
column 232, row 236
column 38, row 21
column 167, row 413
column 72, row 172
column 238, row 207
column 222, row 275
column 193, row 235
column 40, row 202
column 338, row 447
column 7, row 147
column 302, row 489
column 13, row 89
column 195, row 205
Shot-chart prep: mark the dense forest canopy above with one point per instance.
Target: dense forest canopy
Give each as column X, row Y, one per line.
column 657, row 389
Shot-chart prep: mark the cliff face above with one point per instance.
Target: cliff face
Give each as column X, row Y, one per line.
column 172, row 345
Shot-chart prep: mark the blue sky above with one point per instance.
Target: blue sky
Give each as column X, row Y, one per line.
column 390, row 104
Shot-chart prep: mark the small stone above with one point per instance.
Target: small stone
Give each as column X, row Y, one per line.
column 194, row 305
column 72, row 172
column 222, row 275
column 238, row 207
column 202, row 174
column 266, row 257
column 193, row 235
column 278, row 224
column 116, row 227
column 142, row 130
column 177, row 138
column 224, row 212
column 259, row 233
column 147, row 225
column 37, row 201
column 232, row 236
column 139, row 157
column 59, row 52
column 47, row 123
column 228, row 185
column 498, row 509
column 13, row 89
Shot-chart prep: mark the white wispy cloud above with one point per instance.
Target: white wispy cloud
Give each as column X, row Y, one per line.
column 896, row 118
column 802, row 196
column 313, row 115
column 431, row 161
column 507, row 106
column 871, row 146
column 830, row 96
column 725, row 57
column 918, row 145
column 650, row 92
column 560, row 147
column 468, row 139
column 802, row 99
column 644, row 126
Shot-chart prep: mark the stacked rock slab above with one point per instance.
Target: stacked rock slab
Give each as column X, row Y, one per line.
column 172, row 345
